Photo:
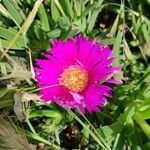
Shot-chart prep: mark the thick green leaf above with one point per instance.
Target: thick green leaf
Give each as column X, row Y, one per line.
column 46, row 113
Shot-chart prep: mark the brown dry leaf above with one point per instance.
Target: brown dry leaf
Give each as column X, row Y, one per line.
column 22, row 98
column 30, row 96
column 19, row 108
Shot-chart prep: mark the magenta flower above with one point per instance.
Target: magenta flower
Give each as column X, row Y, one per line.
column 76, row 74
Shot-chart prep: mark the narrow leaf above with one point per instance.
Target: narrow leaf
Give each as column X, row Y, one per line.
column 13, row 11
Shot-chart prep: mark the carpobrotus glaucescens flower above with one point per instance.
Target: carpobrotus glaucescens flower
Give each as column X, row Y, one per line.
column 76, row 74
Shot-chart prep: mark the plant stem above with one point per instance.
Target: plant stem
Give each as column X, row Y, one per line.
column 142, row 123
column 98, row 134
column 40, row 139
column 30, row 126
column 90, row 132
column 35, row 136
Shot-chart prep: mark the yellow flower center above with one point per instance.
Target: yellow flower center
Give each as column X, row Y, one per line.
column 74, row 78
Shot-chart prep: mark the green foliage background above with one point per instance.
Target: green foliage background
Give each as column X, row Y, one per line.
column 26, row 30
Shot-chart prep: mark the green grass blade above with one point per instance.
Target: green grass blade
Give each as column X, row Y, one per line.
column 146, row 33
column 143, row 124
column 61, row 9
column 114, row 27
column 77, row 7
column 44, row 18
column 40, row 139
column 54, row 13
column 3, row 68
column 127, row 50
column 90, row 132
column 4, row 11
column 88, row 9
column 10, row 5
column 67, row 6
column 9, row 34
column 117, row 45
column 24, row 27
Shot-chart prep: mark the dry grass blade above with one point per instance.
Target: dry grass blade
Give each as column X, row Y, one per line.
column 11, row 137
column 31, row 64
column 25, row 26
